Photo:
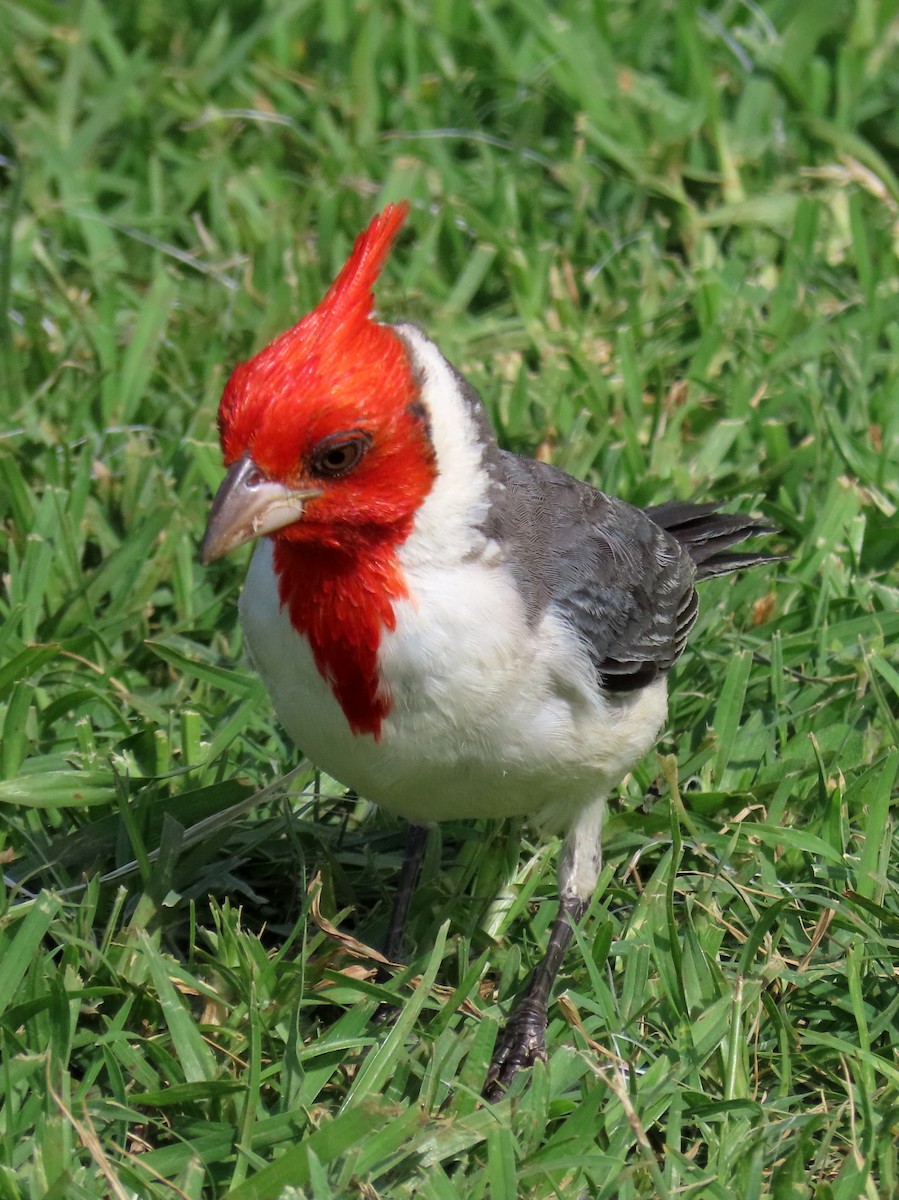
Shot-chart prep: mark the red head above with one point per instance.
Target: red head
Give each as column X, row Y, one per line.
column 329, row 453
column 328, row 413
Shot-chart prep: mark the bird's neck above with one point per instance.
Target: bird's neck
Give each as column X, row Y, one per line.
column 341, row 599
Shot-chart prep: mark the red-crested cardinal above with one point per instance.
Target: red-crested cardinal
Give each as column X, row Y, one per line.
column 446, row 628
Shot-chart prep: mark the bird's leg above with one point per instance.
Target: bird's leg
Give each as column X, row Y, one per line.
column 523, row 1038
column 413, row 857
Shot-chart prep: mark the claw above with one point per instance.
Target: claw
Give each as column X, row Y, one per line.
column 521, row 1043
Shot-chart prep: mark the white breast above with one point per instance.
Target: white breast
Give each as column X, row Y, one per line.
column 488, row 718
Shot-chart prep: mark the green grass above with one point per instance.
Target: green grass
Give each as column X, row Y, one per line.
column 661, row 240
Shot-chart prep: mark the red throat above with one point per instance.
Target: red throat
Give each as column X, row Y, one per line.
column 342, row 603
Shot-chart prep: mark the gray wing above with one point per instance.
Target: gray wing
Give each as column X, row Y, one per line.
column 624, row 582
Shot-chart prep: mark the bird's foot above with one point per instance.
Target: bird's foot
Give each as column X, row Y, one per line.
column 521, row 1042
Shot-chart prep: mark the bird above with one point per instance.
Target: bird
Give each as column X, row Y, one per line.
column 444, row 627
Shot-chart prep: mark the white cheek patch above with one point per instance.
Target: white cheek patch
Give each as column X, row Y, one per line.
column 447, row 524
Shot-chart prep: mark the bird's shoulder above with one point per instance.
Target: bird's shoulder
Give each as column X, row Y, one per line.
column 625, row 584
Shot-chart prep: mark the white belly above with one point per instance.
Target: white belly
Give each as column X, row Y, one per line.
column 487, row 719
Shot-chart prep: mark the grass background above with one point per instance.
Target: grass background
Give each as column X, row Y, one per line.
column 661, row 240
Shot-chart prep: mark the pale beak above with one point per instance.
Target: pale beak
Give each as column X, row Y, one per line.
column 246, row 506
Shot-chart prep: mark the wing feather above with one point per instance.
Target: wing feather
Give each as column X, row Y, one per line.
column 625, row 584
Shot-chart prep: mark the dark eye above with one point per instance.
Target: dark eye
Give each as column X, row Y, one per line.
column 338, row 454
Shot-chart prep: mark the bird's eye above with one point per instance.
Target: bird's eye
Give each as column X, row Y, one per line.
column 338, row 454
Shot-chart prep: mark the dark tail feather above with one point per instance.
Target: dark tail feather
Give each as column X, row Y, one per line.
column 706, row 534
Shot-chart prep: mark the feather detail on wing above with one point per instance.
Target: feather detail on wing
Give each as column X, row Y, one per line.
column 624, row 578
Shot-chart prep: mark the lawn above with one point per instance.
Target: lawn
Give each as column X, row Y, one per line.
column 661, row 239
